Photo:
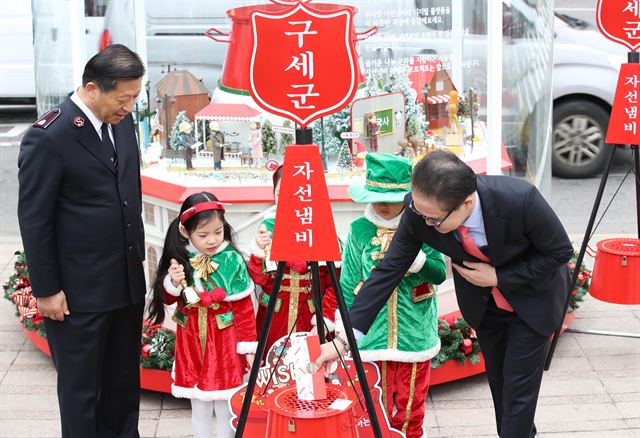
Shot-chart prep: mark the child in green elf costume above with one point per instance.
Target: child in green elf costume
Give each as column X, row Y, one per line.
column 404, row 336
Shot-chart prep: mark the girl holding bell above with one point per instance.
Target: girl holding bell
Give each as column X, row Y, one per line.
column 203, row 272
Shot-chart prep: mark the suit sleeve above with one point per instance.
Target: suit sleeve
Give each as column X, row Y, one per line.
column 386, row 276
column 40, row 176
column 550, row 246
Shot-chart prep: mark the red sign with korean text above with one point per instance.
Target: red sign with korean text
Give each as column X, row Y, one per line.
column 619, row 20
column 303, row 64
column 304, row 228
column 624, row 124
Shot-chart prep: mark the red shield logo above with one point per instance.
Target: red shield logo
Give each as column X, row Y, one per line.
column 620, row 21
column 303, row 64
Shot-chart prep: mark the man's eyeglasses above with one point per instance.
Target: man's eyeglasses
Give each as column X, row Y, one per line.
column 433, row 222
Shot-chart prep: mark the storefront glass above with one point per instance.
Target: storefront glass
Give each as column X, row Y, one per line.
column 424, row 49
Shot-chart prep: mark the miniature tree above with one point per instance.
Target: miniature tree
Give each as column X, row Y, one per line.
column 269, row 144
column 175, row 141
column 345, row 160
column 285, row 139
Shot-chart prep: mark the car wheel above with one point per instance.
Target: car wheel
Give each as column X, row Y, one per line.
column 579, row 131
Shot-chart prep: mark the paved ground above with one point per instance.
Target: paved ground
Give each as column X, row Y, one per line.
column 592, row 390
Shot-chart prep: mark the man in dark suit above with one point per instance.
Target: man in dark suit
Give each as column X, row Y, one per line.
column 80, row 210
column 509, row 253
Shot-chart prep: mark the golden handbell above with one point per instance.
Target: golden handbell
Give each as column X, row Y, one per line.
column 190, row 295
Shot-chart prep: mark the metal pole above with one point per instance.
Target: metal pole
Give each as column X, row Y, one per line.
column 317, row 300
column 322, row 152
column 636, row 156
column 604, row 333
column 165, row 102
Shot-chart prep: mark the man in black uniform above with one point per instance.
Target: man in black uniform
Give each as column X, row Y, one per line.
column 80, row 218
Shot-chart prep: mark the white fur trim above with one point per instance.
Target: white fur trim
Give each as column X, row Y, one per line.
column 338, row 325
column 393, row 354
column 195, row 392
column 371, row 215
column 418, row 263
column 247, row 347
column 331, row 326
column 271, row 213
column 255, row 250
column 170, row 288
column 240, row 295
column 337, row 264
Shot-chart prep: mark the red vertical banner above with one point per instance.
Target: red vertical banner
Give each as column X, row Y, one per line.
column 304, row 227
column 624, row 124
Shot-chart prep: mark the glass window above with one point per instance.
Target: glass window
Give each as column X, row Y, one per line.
column 149, row 213
column 417, row 41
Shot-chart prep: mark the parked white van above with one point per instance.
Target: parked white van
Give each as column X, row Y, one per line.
column 17, row 76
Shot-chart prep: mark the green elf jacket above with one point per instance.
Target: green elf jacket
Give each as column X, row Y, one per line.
column 406, row 329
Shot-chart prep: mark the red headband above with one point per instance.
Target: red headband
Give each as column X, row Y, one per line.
column 203, row 206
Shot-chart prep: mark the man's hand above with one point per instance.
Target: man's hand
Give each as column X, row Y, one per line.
column 480, row 274
column 263, row 238
column 54, row 306
column 328, row 353
column 249, row 358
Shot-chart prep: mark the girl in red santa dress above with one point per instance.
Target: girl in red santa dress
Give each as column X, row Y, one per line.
column 295, row 295
column 204, row 274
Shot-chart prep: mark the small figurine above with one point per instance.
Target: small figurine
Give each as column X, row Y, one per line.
column 406, row 149
column 255, row 137
column 373, row 130
column 187, row 141
column 453, row 111
column 217, row 145
column 361, row 153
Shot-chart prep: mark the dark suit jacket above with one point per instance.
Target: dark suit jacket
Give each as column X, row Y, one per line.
column 81, row 221
column 526, row 243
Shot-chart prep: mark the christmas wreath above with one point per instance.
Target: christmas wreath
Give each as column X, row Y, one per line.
column 458, row 339
column 458, row 342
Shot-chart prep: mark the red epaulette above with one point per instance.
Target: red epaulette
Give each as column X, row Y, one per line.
column 44, row 121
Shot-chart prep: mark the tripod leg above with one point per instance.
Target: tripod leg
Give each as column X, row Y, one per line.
column 583, row 249
column 317, row 301
column 262, row 343
column 357, row 361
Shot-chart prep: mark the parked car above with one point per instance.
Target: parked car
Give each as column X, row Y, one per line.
column 585, row 73
column 17, row 76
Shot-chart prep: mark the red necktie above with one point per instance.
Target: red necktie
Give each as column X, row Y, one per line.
column 470, row 246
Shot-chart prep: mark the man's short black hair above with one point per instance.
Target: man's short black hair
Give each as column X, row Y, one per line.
column 113, row 64
column 444, row 177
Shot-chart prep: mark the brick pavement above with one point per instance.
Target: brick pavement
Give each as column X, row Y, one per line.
column 592, row 390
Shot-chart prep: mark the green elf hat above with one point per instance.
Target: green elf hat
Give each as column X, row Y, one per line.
column 388, row 179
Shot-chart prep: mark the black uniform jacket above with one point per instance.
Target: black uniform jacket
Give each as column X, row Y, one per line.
column 527, row 244
column 80, row 219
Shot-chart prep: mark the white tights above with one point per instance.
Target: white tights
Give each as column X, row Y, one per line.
column 201, row 418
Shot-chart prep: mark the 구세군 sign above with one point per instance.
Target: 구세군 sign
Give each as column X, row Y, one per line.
column 303, row 64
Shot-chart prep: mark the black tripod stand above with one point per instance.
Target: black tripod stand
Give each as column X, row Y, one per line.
column 633, row 58
column 304, row 136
